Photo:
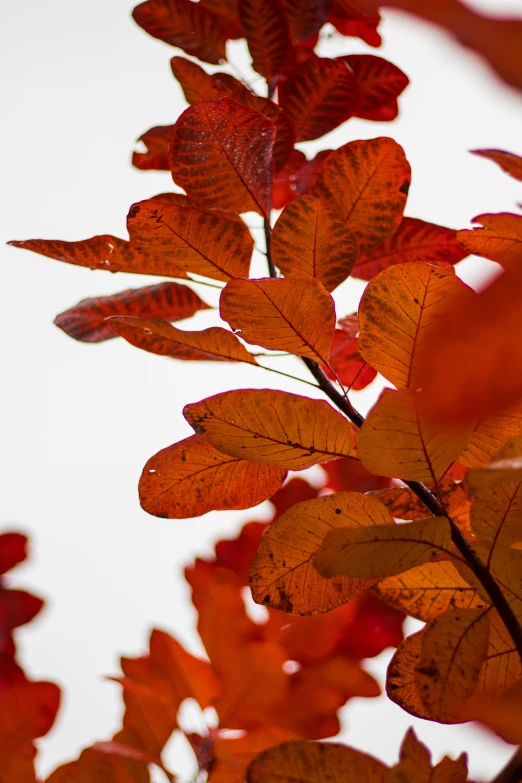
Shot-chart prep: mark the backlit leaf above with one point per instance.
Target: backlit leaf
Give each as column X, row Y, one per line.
column 184, row 24
column 160, row 337
column 220, row 154
column 171, row 301
column 351, row 19
column 232, row 754
column 347, row 363
column 276, row 427
column 382, row 550
column 414, row 240
column 491, row 434
column 508, row 162
column 309, row 240
column 267, row 34
column 96, row 765
column 197, row 241
column 415, row 765
column 227, row 13
column 398, row 440
column 305, row 19
column 503, row 715
column 191, row 477
column 291, row 315
column 502, row 668
column 156, row 141
column 367, row 183
column 499, row 238
column 401, row 687
column 282, row 575
column 319, row 96
column 380, row 84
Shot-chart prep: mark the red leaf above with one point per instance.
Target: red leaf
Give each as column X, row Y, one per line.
column 348, row 475
column 12, row 550
column 156, row 141
column 94, row 766
column 267, row 34
column 350, row 20
column 294, row 492
column 27, row 711
column 228, row 14
column 16, row 608
column 220, row 153
column 348, row 365
column 319, row 96
column 86, row 321
column 237, row 555
column 185, row 24
column 380, row 83
column 305, row 18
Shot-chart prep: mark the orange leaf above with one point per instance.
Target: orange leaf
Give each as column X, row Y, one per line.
column 499, row 239
column 276, row 427
column 319, row 96
column 200, row 242
column 232, row 755
column 380, row 84
column 503, row 715
column 281, row 575
column 191, row 477
column 347, row 363
column 309, row 240
column 266, row 31
column 297, row 316
column 491, row 434
column 160, row 337
column 401, row 687
column 508, row 162
column 414, row 240
column 27, row 711
column 87, row 320
column 415, row 765
column 367, row 183
column 96, row 765
column 156, row 141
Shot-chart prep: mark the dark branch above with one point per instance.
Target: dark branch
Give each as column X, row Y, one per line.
column 512, row 772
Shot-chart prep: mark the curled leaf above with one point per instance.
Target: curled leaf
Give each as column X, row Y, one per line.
column 508, row 161
column 499, row 238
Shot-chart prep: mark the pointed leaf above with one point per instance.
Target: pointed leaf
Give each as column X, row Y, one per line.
column 491, row 434
column 220, row 154
column 279, row 428
column 415, row 765
column 319, row 96
column 367, row 183
column 200, row 242
column 184, row 24
column 309, row 240
column 281, row 575
column 304, row 18
column 508, row 162
column 156, row 141
column 191, row 477
column 414, row 240
column 380, row 84
column 160, row 337
column 398, row 307
column 267, row 34
column 171, row 301
column 398, row 440
column 347, row 363
column 499, row 239
column 382, row 550
column 297, row 316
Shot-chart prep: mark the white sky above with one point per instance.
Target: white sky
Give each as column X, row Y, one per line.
column 79, row 421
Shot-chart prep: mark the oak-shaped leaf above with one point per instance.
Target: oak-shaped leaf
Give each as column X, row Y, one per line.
column 160, row 337
column 314, row 762
column 220, row 153
column 346, row 363
column 282, row 575
column 414, row 240
column 182, row 23
column 351, row 18
column 156, row 141
column 197, row 241
column 309, row 240
column 86, row 321
column 490, row 435
column 508, row 161
column 397, row 309
column 367, row 183
column 191, row 477
column 293, row 315
column 498, row 238
column 380, row 84
column 415, row 765
column 319, row 96
column 281, row 429
column 267, row 35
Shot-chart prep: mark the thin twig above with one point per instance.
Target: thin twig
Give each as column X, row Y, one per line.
column 287, row 375
column 268, row 240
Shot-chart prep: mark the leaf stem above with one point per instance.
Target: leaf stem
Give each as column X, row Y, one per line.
column 268, row 240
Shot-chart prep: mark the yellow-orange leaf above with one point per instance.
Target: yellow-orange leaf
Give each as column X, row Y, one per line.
column 503, row 715
column 502, row 668
column 396, row 309
column 382, row 550
column 499, row 239
column 401, row 687
column 192, row 477
column 164, row 339
column 282, row 576
column 490, row 435
column 314, row 762
column 454, row 648
column 366, row 182
column 415, row 765
column 397, row 439
column 497, row 472
column 297, row 316
column 276, row 427
column 197, row 241
column 508, row 161
column 309, row 240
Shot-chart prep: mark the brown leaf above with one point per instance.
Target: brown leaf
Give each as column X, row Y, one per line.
column 380, row 84
column 401, row 687
column 366, row 182
column 191, row 477
column 490, row 434
column 267, row 35
column 415, row 765
column 508, row 162
column 282, row 575
column 276, row 427
column 292, row 315
column 309, row 240
column 499, row 238
column 220, row 154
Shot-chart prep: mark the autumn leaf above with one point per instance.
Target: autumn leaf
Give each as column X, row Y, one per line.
column 231, row 754
column 319, row 96
column 366, row 182
column 380, row 84
column 398, row 440
column 276, row 427
column 503, row 715
column 97, row 765
column 401, row 686
column 382, row 550
column 309, row 240
column 156, row 141
column 220, row 154
column 297, row 316
column 267, row 35
column 282, row 576
column 347, row 363
column 295, row 177
column 305, row 19
column 490, row 434
column 227, row 13
column 415, row 765
column 87, row 320
column 499, row 238
column 181, row 23
column 196, row 241
column 413, row 241
column 191, row 477
column 13, row 550
column 351, row 19
column 508, row 162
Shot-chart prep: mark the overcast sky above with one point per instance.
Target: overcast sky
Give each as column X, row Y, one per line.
column 78, row 421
